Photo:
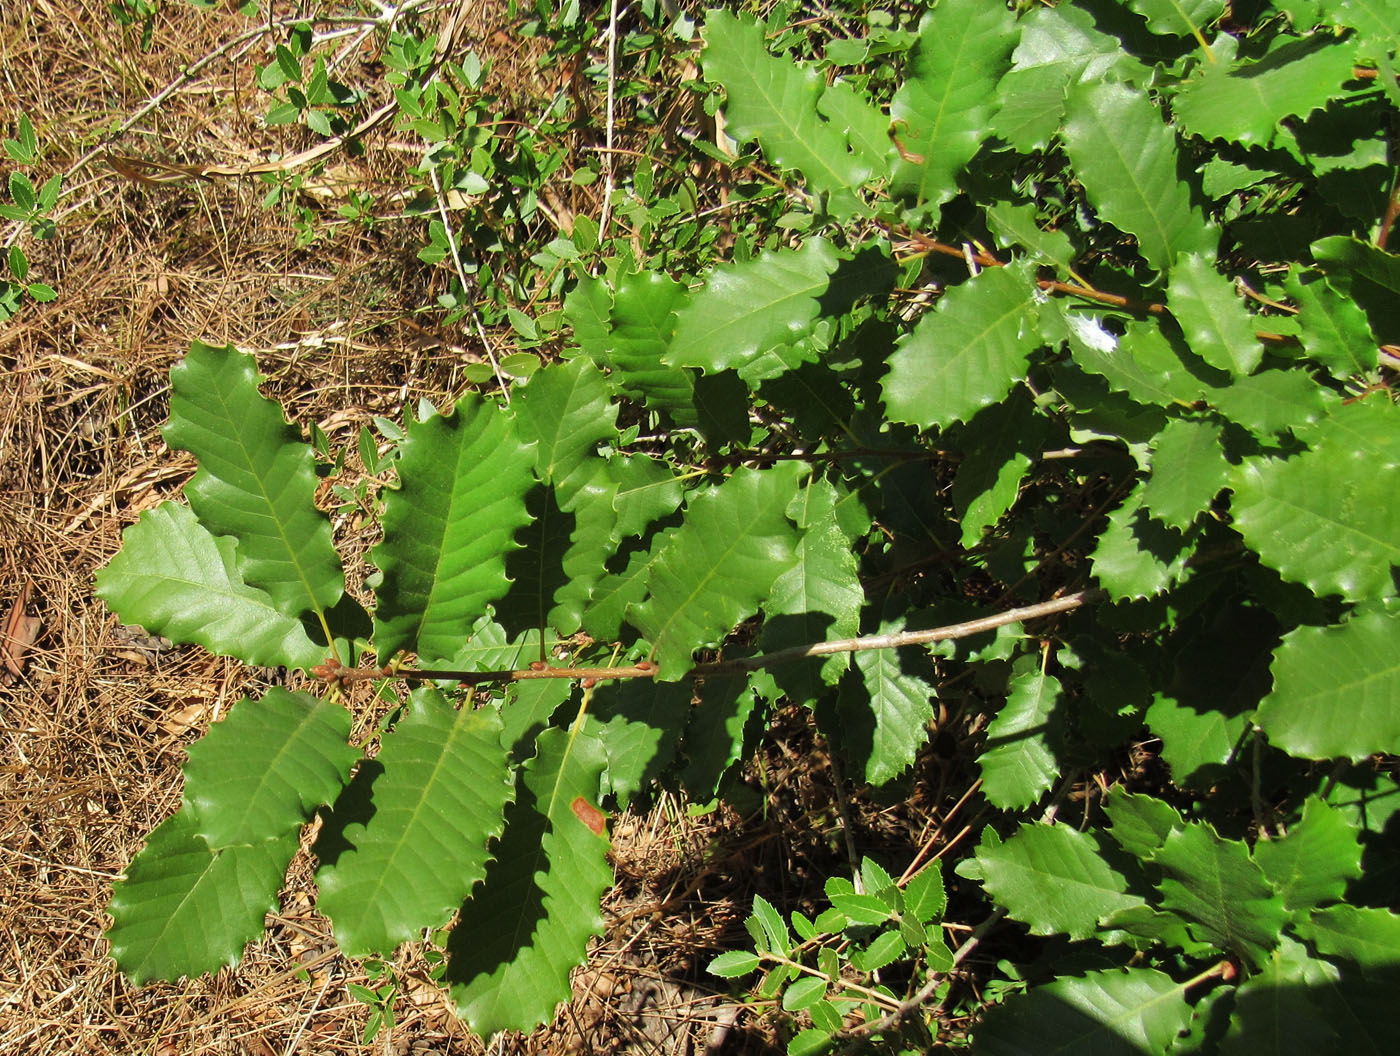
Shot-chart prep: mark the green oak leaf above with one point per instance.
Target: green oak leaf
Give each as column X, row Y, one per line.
column 747, row 308
column 256, row 481
column 775, row 100
column 1325, row 518
column 1018, row 762
column 965, row 354
column 1212, row 315
column 528, row 924
column 1246, row 102
column 1312, row 862
column 717, row 568
column 941, row 112
column 448, row 529
column 182, row 908
column 1054, row 879
column 1125, row 154
column 261, row 772
column 1188, row 471
column 174, row 578
column 819, row 597
column 435, row 805
column 1214, row 883
column 1335, row 689
column 884, row 709
column 1114, row 1011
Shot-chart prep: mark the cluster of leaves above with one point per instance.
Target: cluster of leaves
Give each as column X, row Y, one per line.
column 1089, row 296
column 506, row 191
column 881, row 927
column 31, row 208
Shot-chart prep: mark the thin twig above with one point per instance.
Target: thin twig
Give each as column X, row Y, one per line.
column 609, row 125
column 138, row 169
column 903, row 638
column 983, row 259
column 335, row 673
column 468, row 287
column 856, row 1036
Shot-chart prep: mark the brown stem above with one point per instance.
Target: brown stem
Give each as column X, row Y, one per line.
column 894, row 641
column 331, row 672
column 337, row 674
column 1132, row 304
column 1089, row 293
column 1392, row 211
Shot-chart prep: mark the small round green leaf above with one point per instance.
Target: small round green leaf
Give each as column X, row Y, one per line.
column 885, row 948
column 804, row 993
column 733, row 964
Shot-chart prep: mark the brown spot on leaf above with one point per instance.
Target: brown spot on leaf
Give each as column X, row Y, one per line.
column 590, row 815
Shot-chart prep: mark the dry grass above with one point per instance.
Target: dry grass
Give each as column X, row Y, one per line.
column 95, row 728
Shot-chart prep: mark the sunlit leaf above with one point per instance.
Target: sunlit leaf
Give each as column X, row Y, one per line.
column 1018, row 763
column 174, row 578
column 1214, row 882
column 748, row 308
column 1054, row 879
column 1334, row 329
column 1324, row 518
column 1131, row 1012
column 965, row 354
column 183, row 908
column 1212, row 316
column 940, row 114
column 1312, row 862
column 1059, row 46
column 719, row 566
column 1138, row 556
column 263, row 770
column 774, row 100
column 1178, row 17
column 1126, row 156
column 1188, row 471
column 819, row 597
column 256, row 479
column 1335, row 690
column 1247, row 102
column 565, row 412
column 423, row 845
column 884, row 708
column 448, row 529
